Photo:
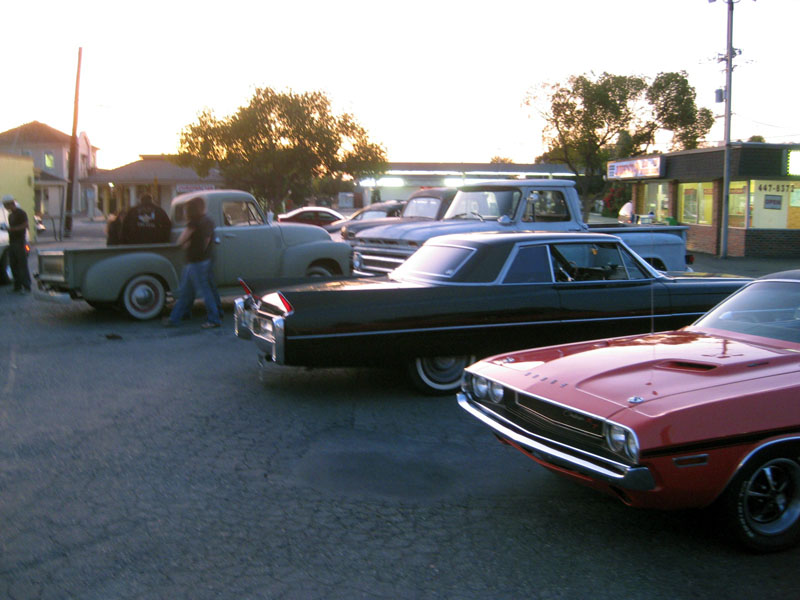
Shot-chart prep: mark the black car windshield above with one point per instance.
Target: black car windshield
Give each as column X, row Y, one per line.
column 433, row 262
column 765, row 308
column 484, row 204
column 422, row 206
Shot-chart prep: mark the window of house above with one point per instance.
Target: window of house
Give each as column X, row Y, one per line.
column 49, row 160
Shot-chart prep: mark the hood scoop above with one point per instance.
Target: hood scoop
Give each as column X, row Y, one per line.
column 686, row 366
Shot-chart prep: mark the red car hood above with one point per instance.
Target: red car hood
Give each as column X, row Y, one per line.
column 649, row 369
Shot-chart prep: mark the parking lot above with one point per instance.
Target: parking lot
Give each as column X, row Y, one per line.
column 142, row 462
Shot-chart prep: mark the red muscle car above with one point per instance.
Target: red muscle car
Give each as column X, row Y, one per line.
column 705, row 415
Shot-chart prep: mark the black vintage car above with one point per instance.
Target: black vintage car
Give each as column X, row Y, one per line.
column 462, row 297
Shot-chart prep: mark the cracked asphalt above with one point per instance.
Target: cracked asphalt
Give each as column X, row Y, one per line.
column 142, row 462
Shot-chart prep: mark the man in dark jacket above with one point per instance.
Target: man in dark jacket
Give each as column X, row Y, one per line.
column 17, row 228
column 146, row 223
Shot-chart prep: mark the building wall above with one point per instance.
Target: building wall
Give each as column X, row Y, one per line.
column 783, row 243
column 16, row 178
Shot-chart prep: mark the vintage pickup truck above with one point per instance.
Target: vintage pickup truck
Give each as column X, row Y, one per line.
column 139, row 278
column 513, row 205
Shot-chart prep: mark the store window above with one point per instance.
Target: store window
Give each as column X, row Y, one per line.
column 657, row 200
column 695, row 203
column 737, row 204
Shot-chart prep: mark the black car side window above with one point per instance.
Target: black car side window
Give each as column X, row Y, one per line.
column 530, row 265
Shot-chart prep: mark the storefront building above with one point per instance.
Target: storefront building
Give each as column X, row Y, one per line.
column 687, row 188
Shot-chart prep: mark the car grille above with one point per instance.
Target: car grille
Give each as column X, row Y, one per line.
column 555, row 422
column 379, row 256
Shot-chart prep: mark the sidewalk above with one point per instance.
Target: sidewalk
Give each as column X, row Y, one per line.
column 749, row 267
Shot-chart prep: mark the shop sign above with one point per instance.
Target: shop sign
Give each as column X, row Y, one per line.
column 637, row 168
column 772, row 202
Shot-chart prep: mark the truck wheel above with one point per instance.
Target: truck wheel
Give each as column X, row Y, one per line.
column 438, row 374
column 5, row 269
column 761, row 506
column 318, row 271
column 144, row 297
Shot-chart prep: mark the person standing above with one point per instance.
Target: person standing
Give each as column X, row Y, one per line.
column 196, row 239
column 625, row 214
column 17, row 228
column 146, row 223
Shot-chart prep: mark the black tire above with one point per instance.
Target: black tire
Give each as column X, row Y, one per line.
column 5, row 269
column 761, row 506
column 144, row 297
column 438, row 375
column 317, row 270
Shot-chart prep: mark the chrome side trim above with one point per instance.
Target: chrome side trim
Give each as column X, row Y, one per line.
column 613, row 473
column 485, row 326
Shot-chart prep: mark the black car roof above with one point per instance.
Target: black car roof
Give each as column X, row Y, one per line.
column 513, row 237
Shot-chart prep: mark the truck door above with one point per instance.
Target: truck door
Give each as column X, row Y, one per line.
column 246, row 245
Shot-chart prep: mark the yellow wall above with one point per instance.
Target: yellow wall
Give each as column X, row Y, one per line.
column 16, row 178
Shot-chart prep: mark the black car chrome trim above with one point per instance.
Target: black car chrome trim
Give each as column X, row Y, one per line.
column 596, row 467
column 482, row 326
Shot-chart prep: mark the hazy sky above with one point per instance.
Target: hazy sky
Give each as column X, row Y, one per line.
column 430, row 80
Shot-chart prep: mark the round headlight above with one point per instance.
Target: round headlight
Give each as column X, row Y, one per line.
column 615, row 437
column 496, row 392
column 632, row 446
column 480, row 387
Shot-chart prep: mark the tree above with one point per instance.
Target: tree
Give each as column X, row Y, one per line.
column 282, row 145
column 674, row 108
column 757, row 138
column 501, row 160
column 585, row 117
column 590, row 120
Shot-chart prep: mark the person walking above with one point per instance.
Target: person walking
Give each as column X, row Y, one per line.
column 146, row 223
column 195, row 278
column 17, row 228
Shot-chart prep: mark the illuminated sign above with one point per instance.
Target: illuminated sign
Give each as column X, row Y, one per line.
column 793, row 163
column 636, row 168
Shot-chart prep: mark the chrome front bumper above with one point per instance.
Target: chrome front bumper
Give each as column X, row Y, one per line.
column 267, row 333
column 589, row 465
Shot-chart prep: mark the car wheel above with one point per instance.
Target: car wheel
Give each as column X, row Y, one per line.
column 144, row 297
column 438, row 374
column 762, row 503
column 5, row 269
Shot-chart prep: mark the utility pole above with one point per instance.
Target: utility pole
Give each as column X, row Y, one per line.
column 726, row 180
column 74, row 162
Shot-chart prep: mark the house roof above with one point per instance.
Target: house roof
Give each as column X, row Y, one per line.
column 43, row 177
column 34, row 133
column 152, row 167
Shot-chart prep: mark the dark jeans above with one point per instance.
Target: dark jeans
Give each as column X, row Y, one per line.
column 195, row 282
column 18, row 261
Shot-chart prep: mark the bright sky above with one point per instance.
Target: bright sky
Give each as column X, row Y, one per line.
column 433, row 80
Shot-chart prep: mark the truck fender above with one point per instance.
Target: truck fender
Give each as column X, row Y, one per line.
column 105, row 280
column 297, row 259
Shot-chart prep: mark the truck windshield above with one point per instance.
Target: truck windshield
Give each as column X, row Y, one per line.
column 423, row 206
column 484, row 205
